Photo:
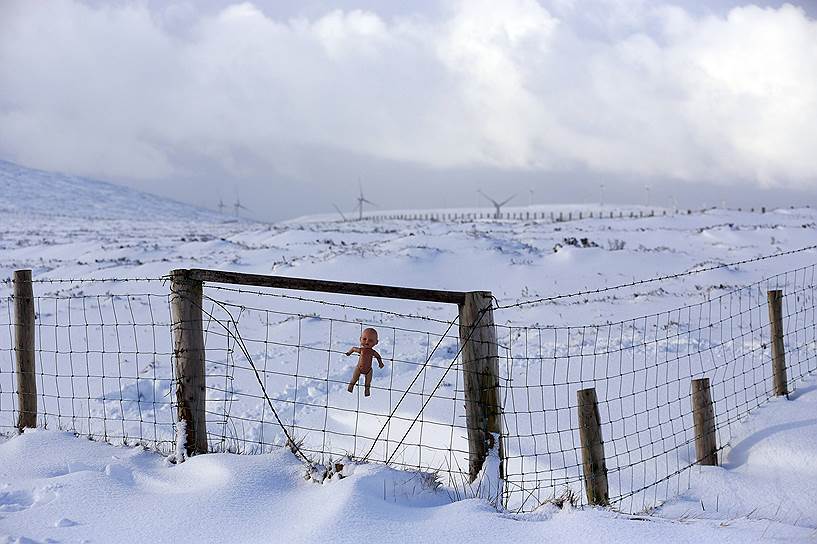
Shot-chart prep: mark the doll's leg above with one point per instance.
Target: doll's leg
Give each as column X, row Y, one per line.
column 355, row 378
column 368, row 382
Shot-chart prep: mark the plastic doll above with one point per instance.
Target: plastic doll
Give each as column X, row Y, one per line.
column 368, row 339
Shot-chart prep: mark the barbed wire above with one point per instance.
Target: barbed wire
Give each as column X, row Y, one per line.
column 91, row 280
column 325, row 303
column 654, row 279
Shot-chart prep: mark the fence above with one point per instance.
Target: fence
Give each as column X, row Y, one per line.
column 101, row 362
column 275, row 371
column 557, row 216
column 642, row 371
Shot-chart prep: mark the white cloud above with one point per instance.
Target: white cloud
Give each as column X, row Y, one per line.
column 125, row 91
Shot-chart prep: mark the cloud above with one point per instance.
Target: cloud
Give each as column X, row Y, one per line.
column 128, row 91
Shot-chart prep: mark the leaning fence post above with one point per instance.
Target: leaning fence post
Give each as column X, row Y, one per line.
column 703, row 416
column 24, row 350
column 480, row 367
column 188, row 350
column 781, row 386
column 595, row 467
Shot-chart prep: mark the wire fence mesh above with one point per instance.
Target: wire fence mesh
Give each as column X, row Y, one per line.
column 299, row 354
column 105, row 369
column 642, row 370
column 103, row 365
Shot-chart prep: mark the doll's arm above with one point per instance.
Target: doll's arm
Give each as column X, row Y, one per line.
column 379, row 359
column 352, row 350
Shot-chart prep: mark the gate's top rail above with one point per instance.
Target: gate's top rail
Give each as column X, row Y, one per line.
column 301, row 284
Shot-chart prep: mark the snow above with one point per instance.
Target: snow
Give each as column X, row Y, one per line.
column 55, row 487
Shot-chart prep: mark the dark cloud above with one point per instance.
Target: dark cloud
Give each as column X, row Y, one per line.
column 296, row 104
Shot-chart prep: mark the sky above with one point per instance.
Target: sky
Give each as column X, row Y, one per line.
column 292, row 106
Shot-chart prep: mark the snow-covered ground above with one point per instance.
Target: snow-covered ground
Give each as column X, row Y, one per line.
column 58, row 488
column 70, row 490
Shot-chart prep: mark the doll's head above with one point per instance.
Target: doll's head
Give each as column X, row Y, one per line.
column 368, row 338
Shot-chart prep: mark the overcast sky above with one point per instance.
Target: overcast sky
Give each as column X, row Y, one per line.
column 288, row 104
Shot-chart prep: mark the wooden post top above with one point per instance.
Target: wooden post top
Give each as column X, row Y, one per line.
column 22, row 276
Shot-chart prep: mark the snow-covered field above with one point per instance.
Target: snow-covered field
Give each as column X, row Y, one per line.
column 105, row 369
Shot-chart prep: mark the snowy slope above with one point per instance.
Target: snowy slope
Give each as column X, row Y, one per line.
column 37, row 192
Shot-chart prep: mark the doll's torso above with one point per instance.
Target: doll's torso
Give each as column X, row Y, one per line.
column 364, row 364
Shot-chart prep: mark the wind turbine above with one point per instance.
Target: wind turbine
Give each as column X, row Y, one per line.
column 497, row 205
column 647, row 188
column 237, row 207
column 221, row 205
column 360, row 201
column 601, row 195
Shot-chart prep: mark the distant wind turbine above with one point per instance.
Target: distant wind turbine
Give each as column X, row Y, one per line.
column 497, row 205
column 238, row 206
column 220, row 205
column 360, row 201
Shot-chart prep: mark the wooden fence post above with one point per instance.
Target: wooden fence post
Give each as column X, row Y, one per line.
column 595, row 467
column 703, row 416
column 188, row 350
column 480, row 367
column 24, row 350
column 781, row 387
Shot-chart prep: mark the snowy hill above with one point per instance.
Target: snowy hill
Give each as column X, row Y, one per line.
column 75, row 489
column 29, row 191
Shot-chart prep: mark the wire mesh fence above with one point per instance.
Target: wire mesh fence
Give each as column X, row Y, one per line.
column 298, row 353
column 103, row 363
column 642, row 370
column 105, row 369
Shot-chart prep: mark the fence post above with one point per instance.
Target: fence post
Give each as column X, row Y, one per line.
column 595, row 467
column 480, row 367
column 24, row 350
column 188, row 350
column 703, row 416
column 781, row 387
